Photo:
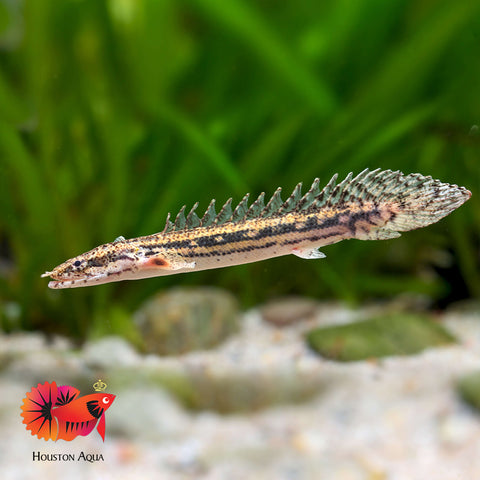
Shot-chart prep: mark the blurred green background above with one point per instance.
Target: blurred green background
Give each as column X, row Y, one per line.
column 113, row 113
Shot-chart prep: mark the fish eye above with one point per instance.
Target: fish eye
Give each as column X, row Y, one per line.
column 105, row 400
column 77, row 263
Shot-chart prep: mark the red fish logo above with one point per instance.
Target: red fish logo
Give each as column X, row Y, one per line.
column 52, row 412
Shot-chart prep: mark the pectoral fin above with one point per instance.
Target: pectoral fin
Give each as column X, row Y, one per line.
column 308, row 253
column 166, row 261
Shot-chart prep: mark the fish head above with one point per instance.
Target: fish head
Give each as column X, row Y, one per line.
column 120, row 260
column 106, row 263
column 96, row 404
column 105, row 400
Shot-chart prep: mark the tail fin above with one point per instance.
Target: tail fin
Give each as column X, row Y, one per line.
column 415, row 200
column 410, row 201
column 386, row 202
column 37, row 411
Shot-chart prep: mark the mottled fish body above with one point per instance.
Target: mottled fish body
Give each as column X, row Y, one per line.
column 375, row 205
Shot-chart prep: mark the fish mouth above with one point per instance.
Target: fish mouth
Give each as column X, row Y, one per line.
column 57, row 283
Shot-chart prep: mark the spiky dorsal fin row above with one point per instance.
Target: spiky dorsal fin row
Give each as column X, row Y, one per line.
column 366, row 186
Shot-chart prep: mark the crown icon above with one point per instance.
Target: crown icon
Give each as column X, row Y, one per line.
column 99, row 386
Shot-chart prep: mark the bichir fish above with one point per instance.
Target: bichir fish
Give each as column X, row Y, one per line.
column 374, row 205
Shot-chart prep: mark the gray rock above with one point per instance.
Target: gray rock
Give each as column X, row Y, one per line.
column 289, row 310
column 186, row 319
column 148, row 413
column 109, row 353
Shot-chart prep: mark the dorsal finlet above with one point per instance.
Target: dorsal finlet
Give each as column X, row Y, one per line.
column 293, row 200
column 169, row 226
column 256, row 208
column 192, row 220
column 225, row 213
column 323, row 197
column 241, row 211
column 273, row 205
column 310, row 196
column 340, row 190
column 209, row 215
column 180, row 220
